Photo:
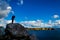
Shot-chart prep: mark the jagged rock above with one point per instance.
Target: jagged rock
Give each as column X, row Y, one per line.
column 16, row 31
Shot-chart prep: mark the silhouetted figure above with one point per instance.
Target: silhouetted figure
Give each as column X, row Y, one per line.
column 13, row 19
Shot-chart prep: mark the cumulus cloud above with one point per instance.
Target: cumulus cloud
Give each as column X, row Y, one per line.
column 12, row 12
column 56, row 16
column 4, row 9
column 40, row 24
column 20, row 2
column 4, row 22
column 9, row 8
column 35, row 24
column 58, row 21
column 9, row 21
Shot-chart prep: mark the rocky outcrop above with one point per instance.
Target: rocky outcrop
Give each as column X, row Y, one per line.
column 16, row 31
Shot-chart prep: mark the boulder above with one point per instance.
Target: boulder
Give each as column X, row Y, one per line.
column 16, row 31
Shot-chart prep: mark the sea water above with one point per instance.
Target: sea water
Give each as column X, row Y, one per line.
column 46, row 34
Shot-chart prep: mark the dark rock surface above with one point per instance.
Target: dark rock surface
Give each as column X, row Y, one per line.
column 16, row 31
column 2, row 32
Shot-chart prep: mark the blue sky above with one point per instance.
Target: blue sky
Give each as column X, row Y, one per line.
column 35, row 9
column 31, row 13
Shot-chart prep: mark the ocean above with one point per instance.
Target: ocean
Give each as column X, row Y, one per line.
column 46, row 34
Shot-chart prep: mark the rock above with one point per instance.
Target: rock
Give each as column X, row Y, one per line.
column 16, row 31
column 2, row 32
column 33, row 37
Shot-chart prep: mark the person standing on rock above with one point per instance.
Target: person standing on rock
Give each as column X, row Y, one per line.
column 13, row 19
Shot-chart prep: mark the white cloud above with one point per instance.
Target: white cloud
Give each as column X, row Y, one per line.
column 9, row 8
column 20, row 2
column 4, row 22
column 35, row 24
column 1, row 24
column 9, row 21
column 40, row 24
column 58, row 21
column 4, row 9
column 12, row 12
column 56, row 16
